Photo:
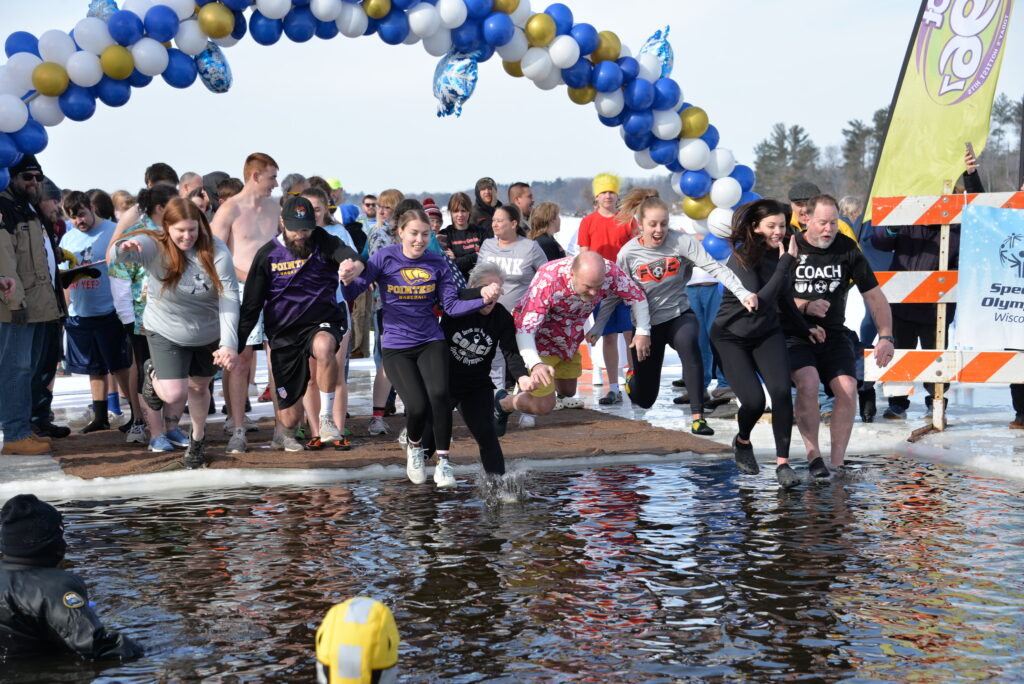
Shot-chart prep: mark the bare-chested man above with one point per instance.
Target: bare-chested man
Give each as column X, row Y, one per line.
column 245, row 223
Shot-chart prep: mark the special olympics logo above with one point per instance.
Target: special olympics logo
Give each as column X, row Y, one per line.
column 415, row 276
column 958, row 46
column 1011, row 253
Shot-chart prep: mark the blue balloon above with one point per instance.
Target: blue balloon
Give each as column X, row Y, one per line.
column 468, row 37
column 630, row 68
column 666, row 93
column 300, row 3
column 204, row 2
column 181, row 69
column 696, row 183
column 214, row 70
column 586, row 36
column 498, row 29
column 125, row 27
column 299, row 24
column 607, row 77
column 747, row 198
column 265, row 31
column 664, row 151
column 8, row 151
column 639, row 94
column 241, row 26
column 638, row 123
column 238, row 5
column 745, row 176
column 325, row 30
column 113, row 93
column 477, row 9
column 580, row 74
column 161, row 23
column 717, row 247
column 31, row 139
column 403, row 4
column 639, row 142
column 139, row 79
column 711, row 137
column 483, row 53
column 394, row 27
column 562, row 16
column 77, row 103
column 455, row 78
column 613, row 121
column 675, row 166
column 21, row 41
column 5, row 178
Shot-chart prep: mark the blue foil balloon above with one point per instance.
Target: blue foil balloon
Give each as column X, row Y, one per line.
column 214, row 70
column 659, row 46
column 454, row 81
column 102, row 9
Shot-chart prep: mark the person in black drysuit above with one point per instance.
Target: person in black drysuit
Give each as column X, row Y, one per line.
column 43, row 609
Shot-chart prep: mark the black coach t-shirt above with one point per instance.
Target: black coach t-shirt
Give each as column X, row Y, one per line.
column 827, row 274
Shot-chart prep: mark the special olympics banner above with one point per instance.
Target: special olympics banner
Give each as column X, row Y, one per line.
column 944, row 97
column 990, row 293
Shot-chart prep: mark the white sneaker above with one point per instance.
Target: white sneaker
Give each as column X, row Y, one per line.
column 378, row 426
column 282, row 442
column 444, row 476
column 237, row 444
column 80, row 418
column 137, row 433
column 526, row 420
column 414, row 464
column 568, row 403
column 403, row 437
column 329, row 432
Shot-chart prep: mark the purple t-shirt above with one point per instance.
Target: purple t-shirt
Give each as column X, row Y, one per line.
column 409, row 289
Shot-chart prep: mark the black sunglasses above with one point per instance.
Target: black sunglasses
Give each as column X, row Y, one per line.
column 28, row 176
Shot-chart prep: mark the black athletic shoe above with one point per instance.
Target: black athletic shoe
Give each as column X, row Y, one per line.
column 195, row 455
column 786, row 476
column 685, row 398
column 96, row 426
column 149, row 394
column 818, row 469
column 868, row 409
column 500, row 414
column 700, row 427
column 679, row 382
column 51, row 430
column 745, row 460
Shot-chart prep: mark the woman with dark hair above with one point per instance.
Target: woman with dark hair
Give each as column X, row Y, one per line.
column 462, row 239
column 751, row 344
column 191, row 316
column 102, row 204
column 545, row 221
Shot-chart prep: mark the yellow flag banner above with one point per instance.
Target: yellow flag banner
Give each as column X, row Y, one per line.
column 944, row 97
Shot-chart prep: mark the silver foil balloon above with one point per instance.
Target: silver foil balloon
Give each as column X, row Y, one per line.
column 214, row 69
column 659, row 46
column 454, row 81
column 102, row 9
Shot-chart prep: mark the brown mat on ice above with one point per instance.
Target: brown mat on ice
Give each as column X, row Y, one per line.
column 563, row 434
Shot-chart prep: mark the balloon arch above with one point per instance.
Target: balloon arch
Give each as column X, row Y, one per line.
column 62, row 75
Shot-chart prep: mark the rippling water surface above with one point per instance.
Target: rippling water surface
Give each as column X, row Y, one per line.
column 682, row 571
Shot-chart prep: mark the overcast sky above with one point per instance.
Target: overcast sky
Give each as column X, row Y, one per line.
column 364, row 111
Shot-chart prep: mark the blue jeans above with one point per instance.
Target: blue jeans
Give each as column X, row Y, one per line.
column 705, row 300
column 21, row 348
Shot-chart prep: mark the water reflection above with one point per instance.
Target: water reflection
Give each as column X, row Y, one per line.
column 676, row 571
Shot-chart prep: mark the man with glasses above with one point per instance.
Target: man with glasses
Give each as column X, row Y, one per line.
column 28, row 306
column 368, row 215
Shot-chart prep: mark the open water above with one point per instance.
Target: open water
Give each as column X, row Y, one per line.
column 682, row 571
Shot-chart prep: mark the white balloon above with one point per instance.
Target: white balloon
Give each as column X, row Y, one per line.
column 726, row 192
column 274, row 9
column 227, row 41
column 693, row 153
column 139, row 7
column 84, row 69
column 720, row 164
column 325, row 10
column 453, row 13
column 438, row 44
column 92, row 35
column 46, row 110
column 20, row 67
column 564, row 51
column 700, row 227
column 610, row 104
column 624, row 51
column 56, row 46
column 515, row 49
column 150, row 57
column 522, row 14
column 190, row 39
column 551, row 81
column 352, row 21
column 644, row 161
column 411, row 39
column 720, row 221
column 536, row 64
column 183, row 8
column 650, row 67
column 7, row 84
column 676, row 177
column 667, row 124
column 13, row 114
column 424, row 20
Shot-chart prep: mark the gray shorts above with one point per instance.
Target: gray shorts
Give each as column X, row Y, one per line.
column 174, row 362
column 256, row 337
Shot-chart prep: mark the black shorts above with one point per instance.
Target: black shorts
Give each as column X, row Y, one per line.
column 97, row 345
column 174, row 362
column 832, row 358
column 291, row 362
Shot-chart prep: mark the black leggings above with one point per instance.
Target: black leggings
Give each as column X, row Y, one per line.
column 420, row 374
column 477, row 409
column 681, row 333
column 742, row 361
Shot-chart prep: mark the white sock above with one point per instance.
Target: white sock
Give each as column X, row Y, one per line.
column 613, row 387
column 327, row 404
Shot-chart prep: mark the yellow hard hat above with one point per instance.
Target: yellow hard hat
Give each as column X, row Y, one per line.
column 357, row 643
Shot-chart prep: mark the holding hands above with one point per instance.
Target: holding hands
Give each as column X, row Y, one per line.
column 349, row 270
column 750, row 302
column 490, row 293
column 225, row 357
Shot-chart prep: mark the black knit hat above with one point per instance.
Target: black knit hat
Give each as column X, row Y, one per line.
column 28, row 162
column 30, row 528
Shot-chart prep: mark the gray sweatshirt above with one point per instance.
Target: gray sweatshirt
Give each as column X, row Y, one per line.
column 190, row 314
column 663, row 272
column 519, row 262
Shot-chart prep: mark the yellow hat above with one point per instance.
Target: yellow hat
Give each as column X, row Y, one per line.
column 606, row 182
column 334, row 183
column 356, row 638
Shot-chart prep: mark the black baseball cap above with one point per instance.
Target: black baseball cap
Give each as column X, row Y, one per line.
column 803, row 191
column 298, row 214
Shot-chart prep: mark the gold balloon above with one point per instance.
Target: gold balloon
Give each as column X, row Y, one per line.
column 695, row 122
column 216, row 20
column 582, row 96
column 699, row 208
column 50, row 79
column 506, row 6
column 609, row 47
column 377, row 9
column 513, row 68
column 117, row 62
column 540, row 30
